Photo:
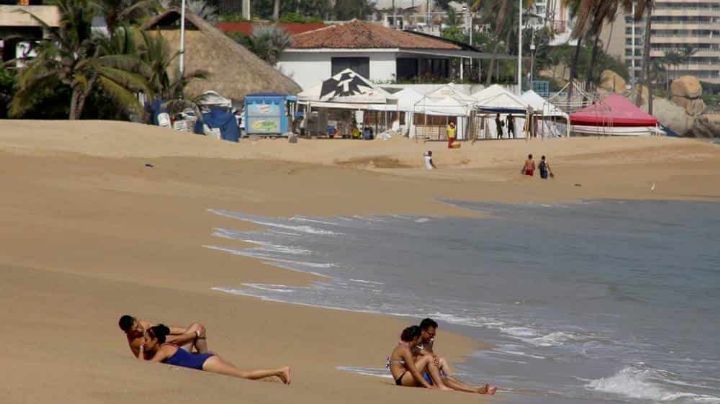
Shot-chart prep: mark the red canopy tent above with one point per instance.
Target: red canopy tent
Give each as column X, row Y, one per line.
column 613, row 111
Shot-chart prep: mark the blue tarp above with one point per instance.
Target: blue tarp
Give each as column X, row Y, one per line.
column 224, row 120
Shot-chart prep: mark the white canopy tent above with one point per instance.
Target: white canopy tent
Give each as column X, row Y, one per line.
column 495, row 101
column 345, row 91
column 458, row 107
column 549, row 115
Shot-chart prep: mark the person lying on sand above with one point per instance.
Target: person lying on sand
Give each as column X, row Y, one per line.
column 408, row 371
column 424, row 348
column 192, row 337
column 156, row 349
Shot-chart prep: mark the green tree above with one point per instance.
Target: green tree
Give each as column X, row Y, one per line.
column 119, row 12
column 164, row 81
column 78, row 59
column 645, row 7
column 501, row 16
column 268, row 42
column 349, row 9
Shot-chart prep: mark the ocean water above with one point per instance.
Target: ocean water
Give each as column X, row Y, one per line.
column 589, row 302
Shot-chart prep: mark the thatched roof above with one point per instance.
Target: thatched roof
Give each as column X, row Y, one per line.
column 234, row 71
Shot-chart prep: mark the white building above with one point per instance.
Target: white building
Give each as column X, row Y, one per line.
column 381, row 54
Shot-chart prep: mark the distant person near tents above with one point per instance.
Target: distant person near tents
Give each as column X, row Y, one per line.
column 499, row 125
column 511, row 127
column 451, row 135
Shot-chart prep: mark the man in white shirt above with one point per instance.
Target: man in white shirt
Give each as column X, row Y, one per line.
column 428, row 160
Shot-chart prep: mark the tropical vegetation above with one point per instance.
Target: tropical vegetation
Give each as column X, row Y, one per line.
column 78, row 70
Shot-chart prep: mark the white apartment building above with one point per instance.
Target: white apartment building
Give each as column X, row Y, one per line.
column 677, row 25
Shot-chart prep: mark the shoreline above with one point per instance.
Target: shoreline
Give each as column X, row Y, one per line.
column 91, row 233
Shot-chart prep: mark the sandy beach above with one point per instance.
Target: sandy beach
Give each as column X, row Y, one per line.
column 105, row 218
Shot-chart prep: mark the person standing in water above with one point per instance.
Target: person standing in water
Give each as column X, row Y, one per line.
column 544, row 168
column 529, row 166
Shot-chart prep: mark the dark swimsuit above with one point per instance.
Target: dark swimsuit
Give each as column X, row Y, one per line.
column 186, row 359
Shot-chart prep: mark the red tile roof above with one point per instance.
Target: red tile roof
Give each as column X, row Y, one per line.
column 362, row 34
column 246, row 27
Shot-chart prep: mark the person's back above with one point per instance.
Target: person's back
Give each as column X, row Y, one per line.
column 529, row 167
column 544, row 168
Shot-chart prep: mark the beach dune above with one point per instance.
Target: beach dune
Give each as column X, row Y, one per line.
column 100, row 219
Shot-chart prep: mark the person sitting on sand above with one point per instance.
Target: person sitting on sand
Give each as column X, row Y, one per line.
column 428, row 331
column 529, row 166
column 405, row 368
column 427, row 156
column 192, row 337
column 410, row 372
column 156, row 349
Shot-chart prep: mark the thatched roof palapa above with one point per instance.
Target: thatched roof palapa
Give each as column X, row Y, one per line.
column 233, row 70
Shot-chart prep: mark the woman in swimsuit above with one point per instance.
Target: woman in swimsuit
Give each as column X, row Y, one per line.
column 406, row 370
column 156, row 350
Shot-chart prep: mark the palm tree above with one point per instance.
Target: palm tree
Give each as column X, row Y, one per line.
column 276, row 10
column 118, row 12
column 158, row 63
column 75, row 57
column 645, row 7
column 268, row 42
column 501, row 16
column 604, row 11
column 200, row 8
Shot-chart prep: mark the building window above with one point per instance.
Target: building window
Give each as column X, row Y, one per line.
column 360, row 66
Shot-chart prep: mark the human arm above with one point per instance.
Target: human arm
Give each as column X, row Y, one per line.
column 184, row 338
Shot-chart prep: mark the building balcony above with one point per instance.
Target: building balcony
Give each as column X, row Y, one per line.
column 10, row 16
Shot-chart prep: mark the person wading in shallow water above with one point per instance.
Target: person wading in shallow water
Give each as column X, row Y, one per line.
column 544, row 168
column 529, row 166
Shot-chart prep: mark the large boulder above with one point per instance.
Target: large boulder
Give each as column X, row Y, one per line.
column 687, row 92
column 612, row 82
column 672, row 115
column 707, row 125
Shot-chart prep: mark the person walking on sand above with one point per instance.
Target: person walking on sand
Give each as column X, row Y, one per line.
column 529, row 166
column 192, row 337
column 424, row 348
column 451, row 134
column 429, row 165
column 511, row 127
column 157, row 349
column 499, row 126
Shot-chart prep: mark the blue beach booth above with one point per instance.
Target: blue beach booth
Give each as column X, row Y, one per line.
column 269, row 114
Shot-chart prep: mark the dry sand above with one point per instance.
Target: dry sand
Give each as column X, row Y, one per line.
column 89, row 233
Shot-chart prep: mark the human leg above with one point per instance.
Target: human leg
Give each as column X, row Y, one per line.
column 444, row 366
column 215, row 364
column 428, row 364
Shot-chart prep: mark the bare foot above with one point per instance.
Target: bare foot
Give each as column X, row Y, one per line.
column 486, row 389
column 444, row 388
column 285, row 375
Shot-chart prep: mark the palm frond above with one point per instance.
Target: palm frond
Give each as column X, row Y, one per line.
column 120, row 95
